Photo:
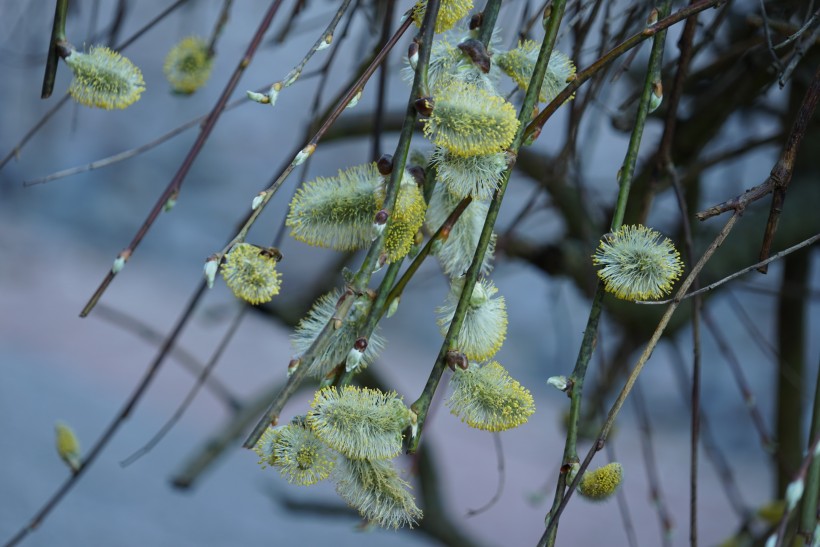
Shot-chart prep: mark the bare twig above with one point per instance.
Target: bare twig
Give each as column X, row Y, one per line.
column 738, row 273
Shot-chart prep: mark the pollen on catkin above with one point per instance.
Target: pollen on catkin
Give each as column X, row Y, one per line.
column 485, row 322
column 476, row 176
column 406, row 219
column 342, row 338
column 188, row 65
column 449, row 13
column 600, row 484
column 250, row 272
column 468, row 120
column 104, row 79
column 456, row 253
column 638, row 263
column 486, row 397
column 361, row 423
column 300, row 456
column 336, row 212
column 68, row 447
column 519, row 64
column 375, row 489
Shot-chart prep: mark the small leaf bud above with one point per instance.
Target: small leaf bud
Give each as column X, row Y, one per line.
column 303, row 154
column 545, row 18
column 455, row 359
column 210, row 269
column 793, row 493
column 476, row 20
column 413, row 54
column 273, row 92
column 393, row 306
column 572, row 472
column 656, row 97
column 257, row 200
column 272, row 252
column 418, row 174
column 558, row 382
column 68, row 447
column 119, row 262
column 653, row 17
column 355, row 100
column 325, row 43
column 260, row 98
column 172, row 200
column 354, row 356
column 293, row 365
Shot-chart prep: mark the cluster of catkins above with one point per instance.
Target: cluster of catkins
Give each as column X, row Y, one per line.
column 350, row 434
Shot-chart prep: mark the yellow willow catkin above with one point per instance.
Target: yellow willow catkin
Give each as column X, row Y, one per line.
column 449, row 13
column 188, row 65
column 104, row 79
column 469, row 121
column 250, row 272
column 486, row 397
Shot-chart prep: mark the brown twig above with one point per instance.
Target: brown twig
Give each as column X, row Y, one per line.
column 781, row 175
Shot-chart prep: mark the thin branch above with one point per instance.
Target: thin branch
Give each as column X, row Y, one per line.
column 781, row 173
column 749, row 400
column 710, row 445
column 581, row 77
column 499, row 489
column 192, row 393
column 738, row 273
column 651, row 466
column 185, row 358
column 57, row 37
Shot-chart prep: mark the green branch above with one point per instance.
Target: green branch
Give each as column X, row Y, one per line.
column 57, row 37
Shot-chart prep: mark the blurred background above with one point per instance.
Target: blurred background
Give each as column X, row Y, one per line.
column 58, row 239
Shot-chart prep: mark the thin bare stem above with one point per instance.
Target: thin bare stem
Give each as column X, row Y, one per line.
column 499, row 489
column 192, row 393
column 738, row 273
column 186, row 359
column 651, row 466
